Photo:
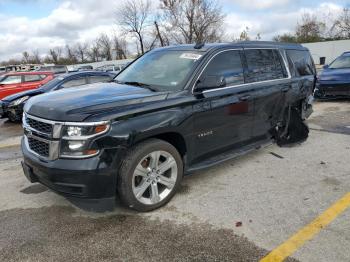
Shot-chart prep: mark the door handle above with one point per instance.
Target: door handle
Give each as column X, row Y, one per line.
column 244, row 98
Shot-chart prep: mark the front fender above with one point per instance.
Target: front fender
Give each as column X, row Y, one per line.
column 135, row 129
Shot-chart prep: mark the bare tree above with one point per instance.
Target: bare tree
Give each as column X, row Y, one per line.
column 94, row 51
column 71, row 58
column 191, row 21
column 120, row 47
column 244, row 36
column 258, row 37
column 55, row 54
column 159, row 34
column 134, row 16
column 105, row 46
column 36, row 56
column 310, row 29
column 26, row 57
column 81, row 51
column 342, row 24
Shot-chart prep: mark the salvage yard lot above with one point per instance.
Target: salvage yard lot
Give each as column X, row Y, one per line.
column 236, row 211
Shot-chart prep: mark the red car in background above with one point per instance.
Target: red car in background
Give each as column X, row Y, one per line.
column 15, row 82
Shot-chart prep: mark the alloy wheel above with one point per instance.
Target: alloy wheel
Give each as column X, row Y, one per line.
column 154, row 177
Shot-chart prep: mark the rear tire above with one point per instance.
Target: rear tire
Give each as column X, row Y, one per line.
column 150, row 175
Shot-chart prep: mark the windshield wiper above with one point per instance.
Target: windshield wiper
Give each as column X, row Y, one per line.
column 134, row 83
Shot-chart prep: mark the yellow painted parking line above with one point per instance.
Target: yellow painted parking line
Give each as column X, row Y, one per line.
column 308, row 232
column 7, row 146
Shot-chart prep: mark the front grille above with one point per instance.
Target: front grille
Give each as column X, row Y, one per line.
column 39, row 147
column 42, row 136
column 39, row 126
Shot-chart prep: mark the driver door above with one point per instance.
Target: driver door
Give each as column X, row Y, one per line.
column 11, row 84
column 224, row 115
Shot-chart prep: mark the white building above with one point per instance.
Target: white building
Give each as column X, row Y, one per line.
column 330, row 50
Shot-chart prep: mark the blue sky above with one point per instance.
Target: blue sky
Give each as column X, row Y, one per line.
column 31, row 9
column 38, row 25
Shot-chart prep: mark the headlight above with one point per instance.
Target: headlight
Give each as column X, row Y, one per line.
column 77, row 140
column 83, row 132
column 19, row 101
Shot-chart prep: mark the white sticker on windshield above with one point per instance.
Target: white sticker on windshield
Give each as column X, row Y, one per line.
column 190, row 56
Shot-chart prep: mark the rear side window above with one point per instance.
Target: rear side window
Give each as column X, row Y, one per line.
column 263, row 65
column 32, row 78
column 98, row 79
column 302, row 61
column 8, row 80
column 227, row 64
column 74, row 82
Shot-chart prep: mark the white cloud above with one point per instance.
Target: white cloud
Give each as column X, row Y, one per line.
column 70, row 22
column 271, row 23
column 83, row 20
column 259, row 4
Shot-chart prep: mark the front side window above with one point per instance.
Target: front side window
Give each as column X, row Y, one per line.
column 8, row 80
column 341, row 62
column 263, row 65
column 162, row 70
column 302, row 62
column 74, row 82
column 227, row 64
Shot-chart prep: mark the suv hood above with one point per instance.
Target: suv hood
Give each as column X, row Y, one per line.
column 76, row 104
column 342, row 74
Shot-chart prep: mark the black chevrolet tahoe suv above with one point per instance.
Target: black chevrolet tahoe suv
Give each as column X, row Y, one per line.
column 173, row 111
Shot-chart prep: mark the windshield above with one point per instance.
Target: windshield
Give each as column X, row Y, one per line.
column 341, row 62
column 162, row 70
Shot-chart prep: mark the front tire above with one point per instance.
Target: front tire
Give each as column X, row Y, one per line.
column 150, row 175
column 14, row 118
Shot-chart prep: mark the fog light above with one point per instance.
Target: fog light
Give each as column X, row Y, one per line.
column 75, row 145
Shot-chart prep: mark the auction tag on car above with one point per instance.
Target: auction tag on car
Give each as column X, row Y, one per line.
column 190, row 56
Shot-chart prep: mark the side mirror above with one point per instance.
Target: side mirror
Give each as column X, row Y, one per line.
column 210, row 82
column 325, row 66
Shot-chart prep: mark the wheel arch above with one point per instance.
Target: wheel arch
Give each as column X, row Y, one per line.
column 174, row 138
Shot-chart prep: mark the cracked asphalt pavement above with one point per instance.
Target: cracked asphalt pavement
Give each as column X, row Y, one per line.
column 236, row 211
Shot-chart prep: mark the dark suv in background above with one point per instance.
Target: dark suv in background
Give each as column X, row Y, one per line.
column 171, row 112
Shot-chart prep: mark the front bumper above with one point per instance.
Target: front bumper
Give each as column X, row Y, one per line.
column 332, row 89
column 12, row 112
column 86, row 179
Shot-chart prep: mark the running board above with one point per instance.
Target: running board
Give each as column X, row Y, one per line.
column 218, row 159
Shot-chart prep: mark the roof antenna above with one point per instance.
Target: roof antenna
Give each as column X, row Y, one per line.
column 199, row 45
